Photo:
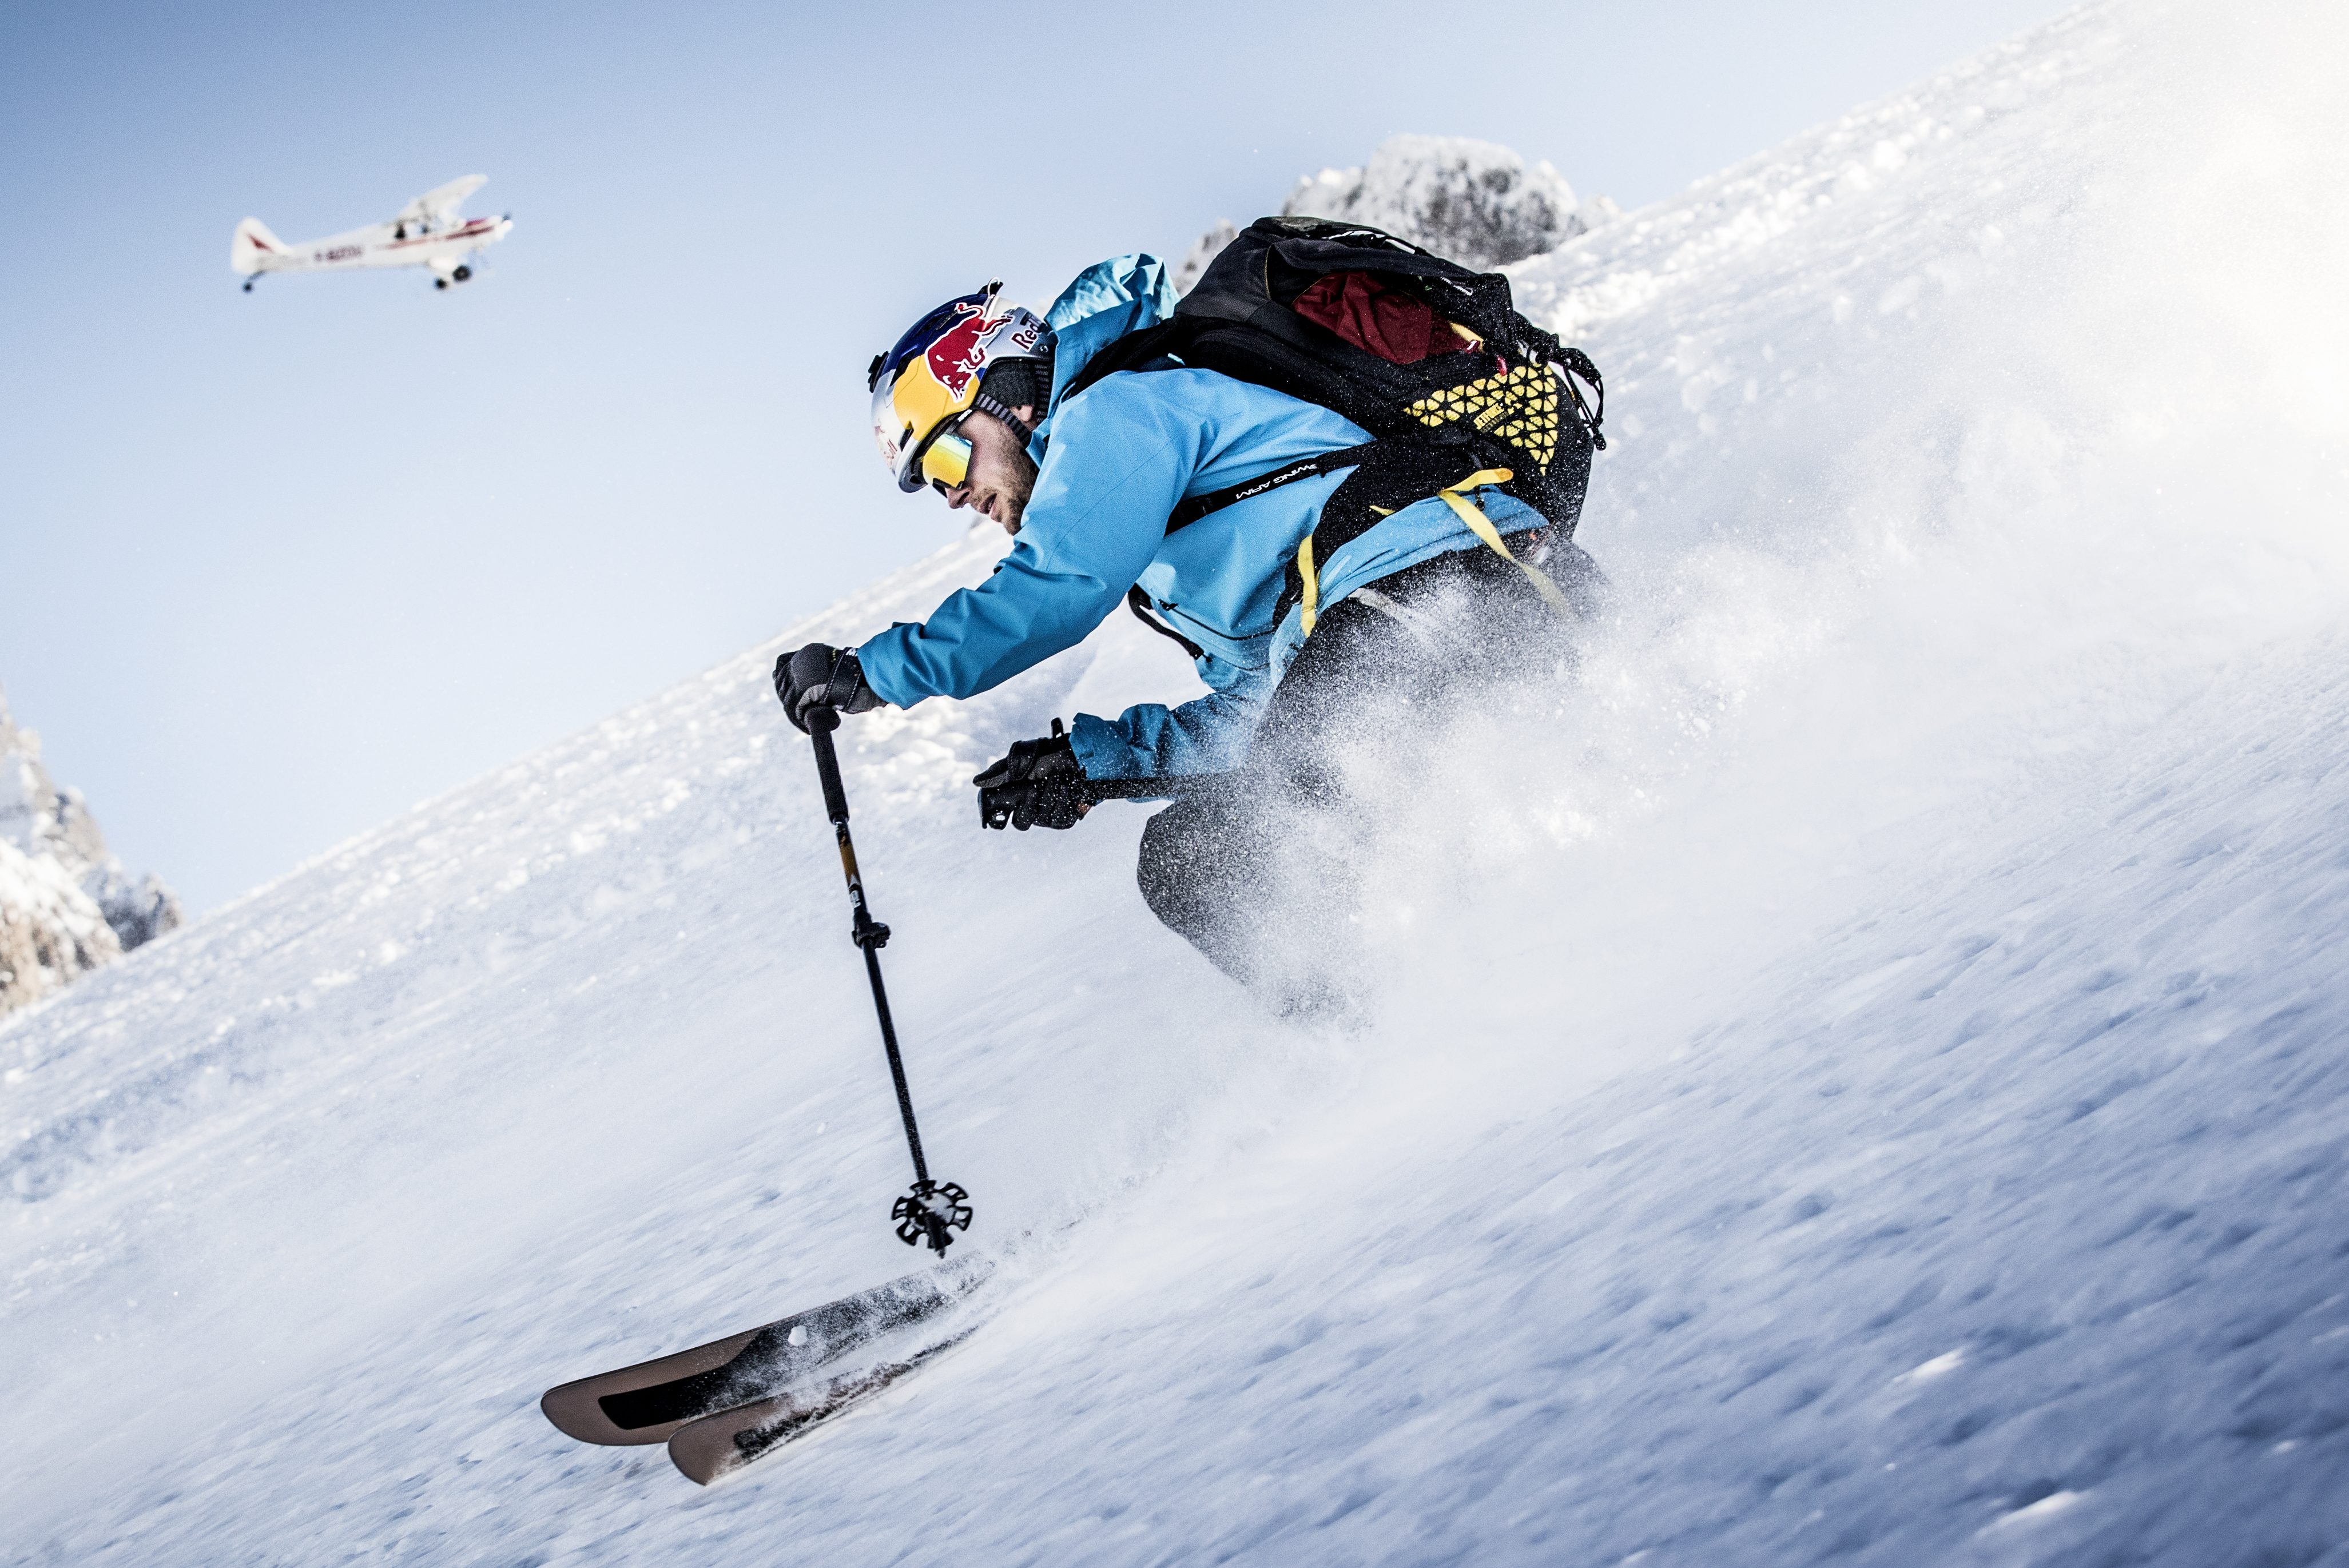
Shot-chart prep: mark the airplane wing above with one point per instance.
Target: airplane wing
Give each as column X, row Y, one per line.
column 438, row 205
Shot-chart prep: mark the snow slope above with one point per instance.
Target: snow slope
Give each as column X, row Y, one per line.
column 1859, row 1074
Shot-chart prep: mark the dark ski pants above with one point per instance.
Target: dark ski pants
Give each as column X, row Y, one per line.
column 1256, row 872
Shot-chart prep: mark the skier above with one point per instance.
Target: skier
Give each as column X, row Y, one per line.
column 1294, row 623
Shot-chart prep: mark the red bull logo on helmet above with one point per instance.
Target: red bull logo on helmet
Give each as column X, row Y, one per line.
column 960, row 352
column 963, row 350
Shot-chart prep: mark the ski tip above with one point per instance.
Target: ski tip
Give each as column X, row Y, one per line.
column 702, row 1457
column 572, row 1412
column 709, row 1449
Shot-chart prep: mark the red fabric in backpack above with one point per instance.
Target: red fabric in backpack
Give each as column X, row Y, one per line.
column 1396, row 326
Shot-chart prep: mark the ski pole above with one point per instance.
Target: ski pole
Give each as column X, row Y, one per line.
column 929, row 1210
column 1176, row 787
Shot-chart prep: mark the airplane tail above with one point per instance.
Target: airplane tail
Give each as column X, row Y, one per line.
column 250, row 249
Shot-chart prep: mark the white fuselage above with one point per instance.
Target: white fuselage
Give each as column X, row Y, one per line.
column 410, row 243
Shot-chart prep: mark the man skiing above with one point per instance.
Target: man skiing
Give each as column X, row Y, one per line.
column 1206, row 500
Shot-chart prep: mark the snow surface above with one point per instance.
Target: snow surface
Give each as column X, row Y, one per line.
column 1859, row 1074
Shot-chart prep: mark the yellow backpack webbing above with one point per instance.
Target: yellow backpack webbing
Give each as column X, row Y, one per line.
column 1478, row 524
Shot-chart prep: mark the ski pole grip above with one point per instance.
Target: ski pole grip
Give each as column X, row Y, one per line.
column 821, row 722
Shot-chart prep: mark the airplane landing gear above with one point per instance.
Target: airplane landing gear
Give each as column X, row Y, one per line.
column 440, row 283
column 461, row 274
column 249, row 282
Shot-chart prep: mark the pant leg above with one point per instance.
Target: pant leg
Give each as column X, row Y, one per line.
column 1194, row 874
column 1261, row 876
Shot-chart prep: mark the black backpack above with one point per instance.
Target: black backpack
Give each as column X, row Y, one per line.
column 1502, row 394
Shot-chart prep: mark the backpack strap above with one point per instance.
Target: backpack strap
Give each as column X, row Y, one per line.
column 1198, row 506
column 1455, row 496
column 1135, row 350
column 1139, row 602
column 1578, row 362
column 1482, row 527
column 1193, row 509
column 1304, row 585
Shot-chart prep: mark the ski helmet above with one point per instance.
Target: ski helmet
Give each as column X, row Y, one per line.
column 924, row 388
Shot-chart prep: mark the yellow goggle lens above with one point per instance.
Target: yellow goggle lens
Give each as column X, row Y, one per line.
column 946, row 461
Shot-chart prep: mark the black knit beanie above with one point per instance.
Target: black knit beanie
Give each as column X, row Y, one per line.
column 1014, row 384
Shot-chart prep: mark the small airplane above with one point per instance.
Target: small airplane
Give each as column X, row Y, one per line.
column 427, row 233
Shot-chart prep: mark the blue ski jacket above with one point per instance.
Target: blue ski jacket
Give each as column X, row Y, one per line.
column 1112, row 464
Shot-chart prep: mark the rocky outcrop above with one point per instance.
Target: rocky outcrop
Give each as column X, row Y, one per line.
column 1476, row 202
column 51, row 931
column 66, row 902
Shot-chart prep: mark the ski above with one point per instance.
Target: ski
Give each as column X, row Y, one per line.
column 717, row 1445
column 653, row 1400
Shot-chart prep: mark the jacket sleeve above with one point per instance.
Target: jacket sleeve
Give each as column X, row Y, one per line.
column 1117, row 466
column 1207, row 734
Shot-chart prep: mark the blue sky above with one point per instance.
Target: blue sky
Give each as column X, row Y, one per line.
column 274, row 567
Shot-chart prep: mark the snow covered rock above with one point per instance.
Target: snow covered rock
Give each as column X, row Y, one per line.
column 1476, row 201
column 57, row 876
column 51, row 931
column 1596, row 212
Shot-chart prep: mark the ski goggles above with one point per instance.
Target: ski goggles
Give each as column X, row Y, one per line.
column 945, row 459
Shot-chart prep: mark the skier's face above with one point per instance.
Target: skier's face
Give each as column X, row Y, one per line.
column 1002, row 475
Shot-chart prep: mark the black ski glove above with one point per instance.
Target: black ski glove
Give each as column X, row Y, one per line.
column 821, row 676
column 1041, row 783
